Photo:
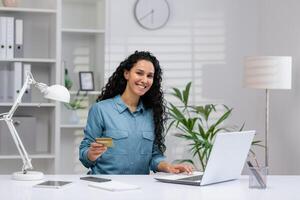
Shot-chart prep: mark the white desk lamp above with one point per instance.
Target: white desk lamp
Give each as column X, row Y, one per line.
column 54, row 92
column 268, row 72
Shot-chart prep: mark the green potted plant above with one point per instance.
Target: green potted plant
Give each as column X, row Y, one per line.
column 78, row 101
column 195, row 124
column 75, row 104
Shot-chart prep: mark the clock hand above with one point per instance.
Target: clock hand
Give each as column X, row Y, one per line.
column 152, row 16
column 147, row 14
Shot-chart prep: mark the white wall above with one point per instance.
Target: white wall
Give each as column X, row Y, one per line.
column 244, row 27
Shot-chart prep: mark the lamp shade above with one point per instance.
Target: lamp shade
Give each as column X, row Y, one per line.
column 268, row 72
column 58, row 93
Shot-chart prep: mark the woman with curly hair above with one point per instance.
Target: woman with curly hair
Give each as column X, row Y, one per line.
column 130, row 110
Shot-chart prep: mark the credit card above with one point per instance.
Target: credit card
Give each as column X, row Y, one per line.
column 108, row 142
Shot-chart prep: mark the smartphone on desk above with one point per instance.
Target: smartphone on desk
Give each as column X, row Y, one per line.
column 52, row 184
column 95, row 179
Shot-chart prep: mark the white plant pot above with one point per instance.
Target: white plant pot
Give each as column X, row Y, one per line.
column 74, row 118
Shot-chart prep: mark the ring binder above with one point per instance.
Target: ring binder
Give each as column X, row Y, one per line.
column 10, row 38
column 3, row 37
column 18, row 51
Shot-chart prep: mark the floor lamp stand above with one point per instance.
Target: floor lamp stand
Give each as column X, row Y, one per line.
column 267, row 129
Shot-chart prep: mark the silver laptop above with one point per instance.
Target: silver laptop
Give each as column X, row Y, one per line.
column 225, row 163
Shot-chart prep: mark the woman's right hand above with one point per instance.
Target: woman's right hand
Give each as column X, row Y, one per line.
column 95, row 151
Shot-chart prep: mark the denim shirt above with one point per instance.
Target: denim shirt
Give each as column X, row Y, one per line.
column 133, row 151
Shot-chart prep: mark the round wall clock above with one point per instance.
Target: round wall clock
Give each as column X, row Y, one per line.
column 152, row 14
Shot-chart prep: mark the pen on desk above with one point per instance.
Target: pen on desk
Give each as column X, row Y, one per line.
column 256, row 174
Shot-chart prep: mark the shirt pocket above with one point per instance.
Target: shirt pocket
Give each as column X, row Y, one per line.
column 120, row 141
column 147, row 142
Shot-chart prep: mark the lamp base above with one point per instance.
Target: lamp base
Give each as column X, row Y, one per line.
column 29, row 176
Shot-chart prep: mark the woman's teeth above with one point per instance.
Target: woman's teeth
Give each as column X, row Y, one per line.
column 142, row 86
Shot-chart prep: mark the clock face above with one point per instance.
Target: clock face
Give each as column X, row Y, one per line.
column 152, row 14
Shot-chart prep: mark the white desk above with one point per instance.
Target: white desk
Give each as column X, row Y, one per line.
column 279, row 187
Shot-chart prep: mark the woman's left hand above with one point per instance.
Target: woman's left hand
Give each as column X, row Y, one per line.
column 176, row 168
column 179, row 168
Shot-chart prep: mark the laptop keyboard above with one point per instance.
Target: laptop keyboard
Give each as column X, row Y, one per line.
column 192, row 178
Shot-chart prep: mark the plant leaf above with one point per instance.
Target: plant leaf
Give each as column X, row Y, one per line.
column 170, row 125
column 186, row 93
column 177, row 94
column 242, row 127
column 223, row 117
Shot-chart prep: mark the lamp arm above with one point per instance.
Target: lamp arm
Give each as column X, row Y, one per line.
column 22, row 151
column 29, row 80
column 7, row 117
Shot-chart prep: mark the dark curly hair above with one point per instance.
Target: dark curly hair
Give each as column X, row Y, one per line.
column 152, row 99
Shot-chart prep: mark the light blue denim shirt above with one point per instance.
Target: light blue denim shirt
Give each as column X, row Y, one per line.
column 134, row 150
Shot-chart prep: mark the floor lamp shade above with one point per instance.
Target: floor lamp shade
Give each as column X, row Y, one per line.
column 268, row 72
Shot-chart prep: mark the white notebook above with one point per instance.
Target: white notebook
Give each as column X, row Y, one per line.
column 114, row 186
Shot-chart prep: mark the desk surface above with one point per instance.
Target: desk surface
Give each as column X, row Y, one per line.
column 279, row 187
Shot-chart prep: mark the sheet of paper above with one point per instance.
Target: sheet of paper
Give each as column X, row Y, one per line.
column 114, row 186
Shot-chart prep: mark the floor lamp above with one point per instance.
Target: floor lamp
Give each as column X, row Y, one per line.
column 268, row 72
column 54, row 92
